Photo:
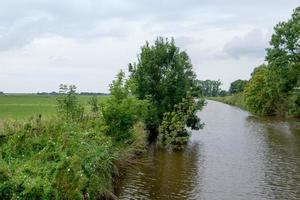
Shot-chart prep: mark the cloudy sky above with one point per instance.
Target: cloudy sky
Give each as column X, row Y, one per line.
column 86, row 42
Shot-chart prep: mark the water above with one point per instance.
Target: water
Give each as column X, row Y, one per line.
column 236, row 156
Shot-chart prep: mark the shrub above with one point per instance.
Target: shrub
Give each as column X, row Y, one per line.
column 121, row 111
column 172, row 131
column 294, row 104
column 69, row 107
column 93, row 102
column 55, row 160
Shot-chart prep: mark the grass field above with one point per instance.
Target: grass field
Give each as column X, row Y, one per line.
column 22, row 106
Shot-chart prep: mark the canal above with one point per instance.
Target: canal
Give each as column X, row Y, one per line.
column 235, row 156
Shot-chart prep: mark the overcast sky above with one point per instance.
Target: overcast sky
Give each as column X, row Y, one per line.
column 86, row 42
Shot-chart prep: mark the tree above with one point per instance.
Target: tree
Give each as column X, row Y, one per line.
column 272, row 87
column 285, row 42
column 69, row 107
column 210, row 88
column 223, row 93
column 118, row 89
column 164, row 76
column 284, row 53
column 294, row 101
column 258, row 94
column 237, row 86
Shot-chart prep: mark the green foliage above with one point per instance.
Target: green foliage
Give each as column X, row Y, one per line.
column 61, row 159
column 271, row 89
column 261, row 95
column 69, row 107
column 223, row 93
column 294, row 102
column 237, row 86
column 284, row 54
column 121, row 111
column 163, row 76
column 210, row 88
column 284, row 50
column 73, row 156
column 118, row 88
column 93, row 102
column 172, row 131
column 235, row 100
column 55, row 160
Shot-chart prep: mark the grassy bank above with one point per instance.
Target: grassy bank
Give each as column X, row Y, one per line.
column 238, row 100
column 52, row 159
column 22, row 106
column 235, row 100
column 75, row 152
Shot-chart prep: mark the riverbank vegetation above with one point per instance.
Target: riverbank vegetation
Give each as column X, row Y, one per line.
column 234, row 100
column 76, row 153
column 210, row 88
column 164, row 77
column 274, row 87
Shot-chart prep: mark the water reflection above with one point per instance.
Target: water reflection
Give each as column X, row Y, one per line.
column 235, row 156
column 282, row 157
column 164, row 175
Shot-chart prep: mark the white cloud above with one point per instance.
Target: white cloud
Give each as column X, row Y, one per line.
column 47, row 42
column 253, row 44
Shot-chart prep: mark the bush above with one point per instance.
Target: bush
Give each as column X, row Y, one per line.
column 120, row 116
column 258, row 95
column 172, row 131
column 55, row 160
column 294, row 104
column 93, row 102
column 69, row 107
column 73, row 158
column 121, row 111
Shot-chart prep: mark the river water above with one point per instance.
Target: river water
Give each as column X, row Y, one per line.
column 236, row 156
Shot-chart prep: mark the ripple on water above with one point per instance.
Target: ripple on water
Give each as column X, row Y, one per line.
column 236, row 156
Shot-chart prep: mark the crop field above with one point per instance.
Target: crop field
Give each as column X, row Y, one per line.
column 23, row 106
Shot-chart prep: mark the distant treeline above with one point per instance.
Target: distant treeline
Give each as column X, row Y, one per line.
column 211, row 88
column 93, row 93
column 81, row 93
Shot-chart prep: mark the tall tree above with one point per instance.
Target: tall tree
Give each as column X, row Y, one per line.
column 273, row 87
column 164, row 76
column 258, row 93
column 284, row 53
column 237, row 86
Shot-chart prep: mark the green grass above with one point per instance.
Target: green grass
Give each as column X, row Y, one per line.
column 62, row 160
column 235, row 100
column 22, row 106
